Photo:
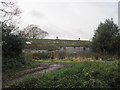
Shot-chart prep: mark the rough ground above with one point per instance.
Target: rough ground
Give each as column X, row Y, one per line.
column 49, row 67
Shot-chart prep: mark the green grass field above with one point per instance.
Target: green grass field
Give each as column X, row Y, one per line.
column 78, row 75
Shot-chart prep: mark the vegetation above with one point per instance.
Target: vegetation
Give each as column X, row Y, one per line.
column 80, row 75
column 107, row 38
column 55, row 44
column 12, row 47
column 10, row 73
column 20, row 73
column 9, row 12
column 58, row 61
column 33, row 32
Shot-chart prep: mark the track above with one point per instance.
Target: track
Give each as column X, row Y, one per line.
column 49, row 67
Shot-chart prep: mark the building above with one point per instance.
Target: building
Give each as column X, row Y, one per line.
column 74, row 49
column 68, row 46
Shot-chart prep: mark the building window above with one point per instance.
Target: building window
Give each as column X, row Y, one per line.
column 84, row 48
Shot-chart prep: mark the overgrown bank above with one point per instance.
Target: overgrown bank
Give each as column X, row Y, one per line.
column 80, row 75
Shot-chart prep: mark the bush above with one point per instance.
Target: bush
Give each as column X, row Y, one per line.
column 12, row 46
column 10, row 63
column 43, row 55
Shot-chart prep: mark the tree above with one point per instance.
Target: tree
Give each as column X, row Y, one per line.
column 9, row 12
column 106, row 38
column 12, row 45
column 33, row 32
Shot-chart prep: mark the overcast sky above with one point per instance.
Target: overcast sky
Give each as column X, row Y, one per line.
column 68, row 19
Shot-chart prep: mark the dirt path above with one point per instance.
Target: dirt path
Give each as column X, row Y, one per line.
column 50, row 67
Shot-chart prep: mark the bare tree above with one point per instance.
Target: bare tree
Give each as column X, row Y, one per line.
column 33, row 32
column 9, row 11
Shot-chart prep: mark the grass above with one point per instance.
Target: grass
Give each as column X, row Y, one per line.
column 31, row 65
column 48, row 61
column 79, row 75
column 65, row 60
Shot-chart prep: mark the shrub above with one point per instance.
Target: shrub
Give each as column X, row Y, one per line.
column 43, row 55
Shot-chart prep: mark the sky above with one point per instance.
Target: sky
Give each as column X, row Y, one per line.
column 67, row 19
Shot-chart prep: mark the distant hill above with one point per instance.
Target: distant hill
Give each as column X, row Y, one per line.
column 55, row 44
